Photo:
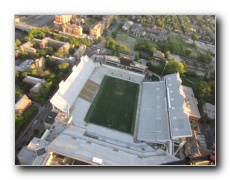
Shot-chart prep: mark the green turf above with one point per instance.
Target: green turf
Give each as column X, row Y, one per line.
column 115, row 105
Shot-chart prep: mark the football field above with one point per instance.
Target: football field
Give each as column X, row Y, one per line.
column 115, row 105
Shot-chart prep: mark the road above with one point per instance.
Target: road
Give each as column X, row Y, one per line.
column 36, row 123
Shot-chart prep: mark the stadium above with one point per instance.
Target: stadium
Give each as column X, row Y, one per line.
column 113, row 116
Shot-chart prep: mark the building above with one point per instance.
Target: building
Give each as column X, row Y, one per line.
column 191, row 104
column 160, row 120
column 174, row 56
column 40, row 63
column 127, row 25
column 27, row 47
column 36, row 88
column 60, row 20
column 58, row 45
column 33, row 80
column 71, row 29
column 158, row 56
column 209, row 109
column 107, row 20
column 22, row 104
column 80, row 52
column 201, row 47
column 96, row 30
column 25, row 65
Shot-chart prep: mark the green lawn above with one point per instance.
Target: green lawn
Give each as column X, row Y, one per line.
column 179, row 45
column 126, row 40
column 115, row 105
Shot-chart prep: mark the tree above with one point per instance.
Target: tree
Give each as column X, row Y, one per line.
column 188, row 52
column 16, row 73
column 174, row 67
column 36, row 131
column 23, row 55
column 205, row 58
column 195, row 37
column 202, row 89
column 136, row 57
column 63, row 66
column 167, row 53
column 17, row 43
column 153, row 49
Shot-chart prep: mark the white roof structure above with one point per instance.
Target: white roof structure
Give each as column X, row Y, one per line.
column 178, row 118
column 153, row 123
column 80, row 146
column 127, row 25
column 70, row 89
column 160, row 118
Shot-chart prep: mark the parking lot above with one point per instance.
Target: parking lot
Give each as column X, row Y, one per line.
column 40, row 20
column 19, row 34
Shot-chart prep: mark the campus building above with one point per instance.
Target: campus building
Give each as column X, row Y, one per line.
column 96, row 30
column 71, row 29
column 158, row 119
column 22, row 104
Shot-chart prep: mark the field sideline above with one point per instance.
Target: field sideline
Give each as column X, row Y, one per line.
column 115, row 105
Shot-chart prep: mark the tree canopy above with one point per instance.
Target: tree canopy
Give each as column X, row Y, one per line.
column 174, row 67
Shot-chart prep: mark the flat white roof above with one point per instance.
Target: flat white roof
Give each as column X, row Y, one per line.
column 179, row 120
column 153, row 123
column 79, row 146
column 70, row 89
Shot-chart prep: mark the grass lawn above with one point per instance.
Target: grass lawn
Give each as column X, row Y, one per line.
column 126, row 40
column 115, row 105
column 179, row 45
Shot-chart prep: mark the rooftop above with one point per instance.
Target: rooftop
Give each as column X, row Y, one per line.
column 210, row 110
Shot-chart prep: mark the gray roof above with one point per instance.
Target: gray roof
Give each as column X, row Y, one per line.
column 153, row 123
column 78, row 146
column 178, row 118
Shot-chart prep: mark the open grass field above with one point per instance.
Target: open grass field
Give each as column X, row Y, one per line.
column 179, row 45
column 115, row 105
column 126, row 40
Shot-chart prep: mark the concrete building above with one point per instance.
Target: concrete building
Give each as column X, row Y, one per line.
column 158, row 56
column 57, row 45
column 40, row 63
column 36, row 88
column 191, row 104
column 71, row 29
column 96, row 30
column 25, row 65
column 209, row 109
column 22, row 104
column 79, row 52
column 127, row 25
column 27, row 47
column 107, row 20
column 33, row 80
column 60, row 20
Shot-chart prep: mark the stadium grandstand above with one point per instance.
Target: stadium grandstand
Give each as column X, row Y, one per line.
column 114, row 117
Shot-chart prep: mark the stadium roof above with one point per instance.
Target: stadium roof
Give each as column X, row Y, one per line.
column 153, row 123
column 179, row 120
column 79, row 146
column 70, row 89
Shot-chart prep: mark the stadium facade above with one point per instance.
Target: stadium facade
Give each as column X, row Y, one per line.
column 160, row 120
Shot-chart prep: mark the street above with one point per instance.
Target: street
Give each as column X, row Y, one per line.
column 36, row 123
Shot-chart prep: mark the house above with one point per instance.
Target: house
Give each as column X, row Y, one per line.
column 27, row 47
column 40, row 63
column 79, row 52
column 58, row 45
column 127, row 25
column 36, row 88
column 25, row 65
column 158, row 55
column 22, row 104
column 33, row 80
column 174, row 56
